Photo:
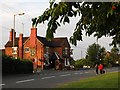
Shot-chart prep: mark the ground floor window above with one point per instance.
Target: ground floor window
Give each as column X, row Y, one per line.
column 67, row 63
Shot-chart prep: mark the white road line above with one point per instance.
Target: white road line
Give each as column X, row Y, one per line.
column 47, row 77
column 76, row 73
column 65, row 72
column 2, row 84
column 113, row 71
column 81, row 73
column 65, row 75
column 25, row 80
column 86, row 72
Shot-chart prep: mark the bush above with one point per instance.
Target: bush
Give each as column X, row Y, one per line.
column 16, row 66
column 78, row 64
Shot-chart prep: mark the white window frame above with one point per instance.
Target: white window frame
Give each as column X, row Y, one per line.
column 15, row 50
column 47, row 49
column 26, row 48
column 66, row 50
column 67, row 62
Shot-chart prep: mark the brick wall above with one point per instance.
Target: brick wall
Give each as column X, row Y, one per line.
column 40, row 50
column 58, row 50
column 26, row 55
column 8, row 51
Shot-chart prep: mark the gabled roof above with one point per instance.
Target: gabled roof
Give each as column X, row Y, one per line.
column 44, row 41
column 58, row 42
column 10, row 43
column 55, row 42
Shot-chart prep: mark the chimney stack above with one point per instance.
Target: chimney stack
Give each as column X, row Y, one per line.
column 20, row 43
column 33, row 36
column 11, row 35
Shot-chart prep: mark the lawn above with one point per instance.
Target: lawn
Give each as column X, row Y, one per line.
column 109, row 80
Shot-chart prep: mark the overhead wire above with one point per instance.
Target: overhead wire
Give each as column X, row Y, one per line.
column 6, row 28
column 9, row 10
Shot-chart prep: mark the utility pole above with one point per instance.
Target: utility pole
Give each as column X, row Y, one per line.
column 14, row 29
column 22, row 27
column 81, row 54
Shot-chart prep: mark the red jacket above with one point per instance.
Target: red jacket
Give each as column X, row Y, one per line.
column 100, row 67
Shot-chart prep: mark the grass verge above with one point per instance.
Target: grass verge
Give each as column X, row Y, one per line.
column 109, row 80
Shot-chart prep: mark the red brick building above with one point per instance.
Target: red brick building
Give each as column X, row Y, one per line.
column 54, row 53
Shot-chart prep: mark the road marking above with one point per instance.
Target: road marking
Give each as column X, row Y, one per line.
column 81, row 73
column 113, row 71
column 76, row 73
column 65, row 72
column 86, row 72
column 65, row 75
column 2, row 84
column 47, row 77
column 25, row 80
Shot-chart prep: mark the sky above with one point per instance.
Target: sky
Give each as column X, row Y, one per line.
column 34, row 9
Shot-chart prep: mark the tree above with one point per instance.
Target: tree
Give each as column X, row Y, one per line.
column 72, row 61
column 101, row 53
column 95, row 54
column 115, row 50
column 108, row 61
column 111, row 57
column 98, row 18
column 114, row 54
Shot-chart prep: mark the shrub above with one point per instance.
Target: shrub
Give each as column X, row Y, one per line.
column 16, row 66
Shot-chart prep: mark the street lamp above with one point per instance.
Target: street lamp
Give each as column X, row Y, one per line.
column 14, row 30
column 14, row 27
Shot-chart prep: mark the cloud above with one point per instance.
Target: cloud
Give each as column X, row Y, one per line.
column 18, row 1
column 33, row 9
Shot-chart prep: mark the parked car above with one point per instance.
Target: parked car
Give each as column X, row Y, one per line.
column 70, row 67
column 86, row 66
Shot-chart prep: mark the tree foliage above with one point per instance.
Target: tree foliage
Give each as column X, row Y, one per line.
column 15, row 66
column 98, row 18
column 95, row 53
column 114, row 54
column 111, row 57
column 80, row 63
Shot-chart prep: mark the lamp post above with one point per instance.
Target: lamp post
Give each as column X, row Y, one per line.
column 14, row 27
column 14, row 30
column 23, row 28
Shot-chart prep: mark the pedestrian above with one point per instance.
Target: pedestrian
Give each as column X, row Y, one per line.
column 96, row 66
column 34, row 66
column 101, row 68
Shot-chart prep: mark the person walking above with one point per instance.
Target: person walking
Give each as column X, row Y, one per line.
column 34, row 66
column 101, row 68
column 96, row 66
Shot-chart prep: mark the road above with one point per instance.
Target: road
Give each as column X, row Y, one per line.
column 48, row 78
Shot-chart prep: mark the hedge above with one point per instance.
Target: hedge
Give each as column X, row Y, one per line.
column 16, row 66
